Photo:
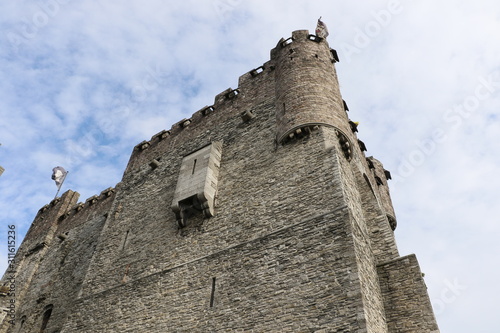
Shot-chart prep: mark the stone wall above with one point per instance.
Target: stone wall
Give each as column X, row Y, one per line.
column 406, row 301
column 32, row 251
column 52, row 276
column 296, row 279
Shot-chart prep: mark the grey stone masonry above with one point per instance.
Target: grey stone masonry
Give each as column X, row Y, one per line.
column 259, row 213
column 408, row 308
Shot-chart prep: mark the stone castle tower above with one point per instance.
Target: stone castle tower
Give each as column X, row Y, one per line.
column 260, row 213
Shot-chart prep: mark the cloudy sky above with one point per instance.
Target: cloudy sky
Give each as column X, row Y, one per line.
column 84, row 81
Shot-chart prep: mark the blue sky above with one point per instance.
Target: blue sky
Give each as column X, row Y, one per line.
column 83, row 82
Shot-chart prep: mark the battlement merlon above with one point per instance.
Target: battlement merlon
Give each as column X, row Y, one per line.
column 50, row 215
column 89, row 203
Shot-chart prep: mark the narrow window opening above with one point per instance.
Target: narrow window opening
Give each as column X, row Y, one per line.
column 194, row 166
column 212, row 294
column 23, row 319
column 46, row 317
column 284, row 108
column 125, row 241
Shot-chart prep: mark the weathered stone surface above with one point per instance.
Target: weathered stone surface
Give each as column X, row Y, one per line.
column 197, row 183
column 408, row 308
column 298, row 236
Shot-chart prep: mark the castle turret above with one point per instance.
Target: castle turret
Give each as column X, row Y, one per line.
column 307, row 90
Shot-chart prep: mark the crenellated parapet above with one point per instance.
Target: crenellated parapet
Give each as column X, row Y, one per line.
column 250, row 84
column 62, row 208
column 43, row 225
column 146, row 151
column 305, row 89
column 83, row 211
